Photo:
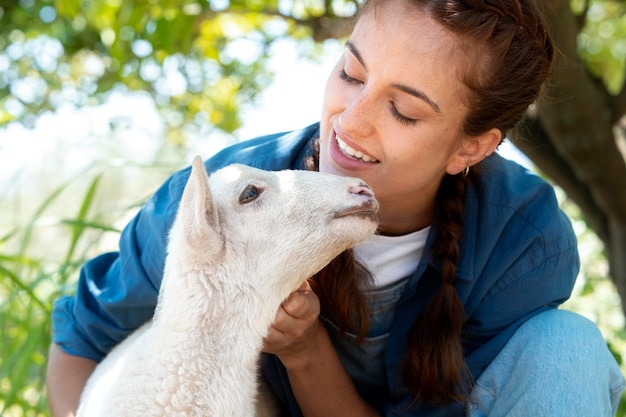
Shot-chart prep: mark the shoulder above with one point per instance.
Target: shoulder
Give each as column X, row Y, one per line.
column 285, row 150
column 508, row 192
column 519, row 253
column 513, row 214
column 506, row 183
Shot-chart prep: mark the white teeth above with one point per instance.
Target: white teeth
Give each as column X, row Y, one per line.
column 352, row 152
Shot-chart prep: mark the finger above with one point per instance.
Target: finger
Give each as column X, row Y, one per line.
column 282, row 320
column 301, row 304
column 305, row 287
column 274, row 338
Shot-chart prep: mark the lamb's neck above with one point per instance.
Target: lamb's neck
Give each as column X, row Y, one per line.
column 216, row 320
column 205, row 367
column 214, row 350
column 204, row 354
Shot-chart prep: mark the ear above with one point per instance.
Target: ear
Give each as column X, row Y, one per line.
column 473, row 150
column 197, row 212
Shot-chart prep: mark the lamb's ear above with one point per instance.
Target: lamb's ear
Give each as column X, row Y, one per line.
column 198, row 214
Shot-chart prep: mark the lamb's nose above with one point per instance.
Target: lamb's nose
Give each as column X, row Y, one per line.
column 362, row 189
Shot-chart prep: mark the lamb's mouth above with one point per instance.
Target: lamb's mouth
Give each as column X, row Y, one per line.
column 368, row 210
column 353, row 153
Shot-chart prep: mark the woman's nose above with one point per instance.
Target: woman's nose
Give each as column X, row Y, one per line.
column 358, row 116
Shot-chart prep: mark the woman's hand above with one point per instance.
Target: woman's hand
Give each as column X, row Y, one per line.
column 292, row 337
column 317, row 377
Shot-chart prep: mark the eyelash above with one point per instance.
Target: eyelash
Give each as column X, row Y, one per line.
column 344, row 76
column 394, row 112
column 400, row 117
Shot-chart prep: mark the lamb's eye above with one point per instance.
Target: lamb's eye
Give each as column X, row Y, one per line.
column 250, row 194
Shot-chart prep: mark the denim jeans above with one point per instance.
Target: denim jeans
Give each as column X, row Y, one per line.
column 556, row 364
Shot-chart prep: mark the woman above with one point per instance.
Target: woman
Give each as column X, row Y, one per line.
column 451, row 308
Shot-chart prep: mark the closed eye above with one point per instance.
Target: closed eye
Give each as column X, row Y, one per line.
column 400, row 117
column 344, row 76
column 249, row 194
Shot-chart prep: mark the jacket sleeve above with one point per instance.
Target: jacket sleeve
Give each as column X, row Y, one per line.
column 117, row 292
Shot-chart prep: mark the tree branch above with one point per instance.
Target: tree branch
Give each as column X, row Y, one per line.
column 327, row 27
column 323, row 27
column 578, row 119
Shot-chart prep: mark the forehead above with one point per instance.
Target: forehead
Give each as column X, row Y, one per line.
column 237, row 176
column 400, row 42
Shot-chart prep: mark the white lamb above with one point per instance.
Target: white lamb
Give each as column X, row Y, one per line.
column 242, row 241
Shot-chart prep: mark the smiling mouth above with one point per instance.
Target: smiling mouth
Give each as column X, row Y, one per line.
column 352, row 153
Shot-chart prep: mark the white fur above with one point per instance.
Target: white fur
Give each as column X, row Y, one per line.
column 229, row 266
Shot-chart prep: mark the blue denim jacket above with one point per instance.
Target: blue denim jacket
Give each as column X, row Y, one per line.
column 518, row 258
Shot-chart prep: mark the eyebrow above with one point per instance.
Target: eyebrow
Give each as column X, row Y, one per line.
column 405, row 88
column 419, row 94
column 356, row 53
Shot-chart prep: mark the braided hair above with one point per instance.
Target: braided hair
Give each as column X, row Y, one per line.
column 510, row 55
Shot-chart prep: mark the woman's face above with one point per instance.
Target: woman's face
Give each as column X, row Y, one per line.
column 392, row 114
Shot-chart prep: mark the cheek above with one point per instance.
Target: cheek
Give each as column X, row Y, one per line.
column 332, row 105
column 413, row 158
column 331, row 94
column 337, row 94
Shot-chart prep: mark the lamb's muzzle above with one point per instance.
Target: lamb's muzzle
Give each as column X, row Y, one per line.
column 368, row 206
column 362, row 189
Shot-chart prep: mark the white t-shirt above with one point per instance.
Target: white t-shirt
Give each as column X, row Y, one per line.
column 391, row 258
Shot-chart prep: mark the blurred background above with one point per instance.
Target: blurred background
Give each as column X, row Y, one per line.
column 101, row 100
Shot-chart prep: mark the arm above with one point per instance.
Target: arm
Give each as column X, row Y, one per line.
column 66, row 376
column 317, row 377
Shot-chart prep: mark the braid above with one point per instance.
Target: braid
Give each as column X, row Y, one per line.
column 521, row 12
column 510, row 54
column 434, row 366
column 337, row 288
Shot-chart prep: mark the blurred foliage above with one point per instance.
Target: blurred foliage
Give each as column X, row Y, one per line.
column 29, row 281
column 199, row 59
column 40, row 260
column 602, row 40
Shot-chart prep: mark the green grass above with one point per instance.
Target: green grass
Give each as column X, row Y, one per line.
column 29, row 282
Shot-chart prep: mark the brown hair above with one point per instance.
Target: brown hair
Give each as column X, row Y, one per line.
column 336, row 285
column 510, row 56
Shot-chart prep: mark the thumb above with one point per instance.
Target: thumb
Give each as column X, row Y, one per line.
column 305, row 288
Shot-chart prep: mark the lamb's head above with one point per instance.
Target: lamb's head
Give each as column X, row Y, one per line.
column 273, row 229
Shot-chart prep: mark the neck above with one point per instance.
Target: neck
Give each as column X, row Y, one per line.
column 402, row 221
column 217, row 321
column 404, row 214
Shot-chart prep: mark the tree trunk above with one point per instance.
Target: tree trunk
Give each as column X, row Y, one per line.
column 572, row 137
